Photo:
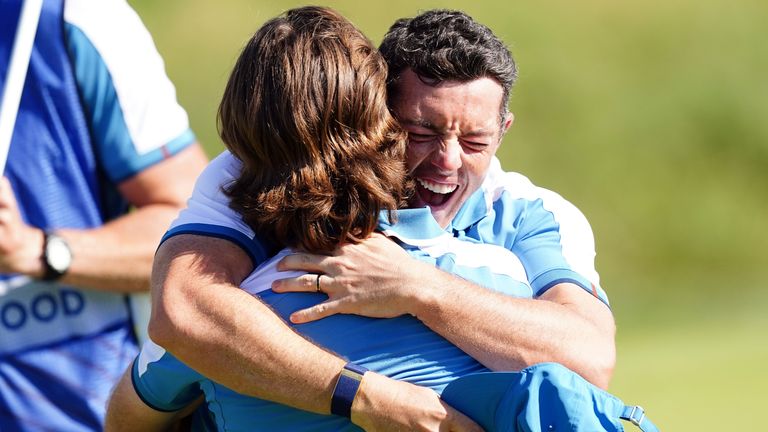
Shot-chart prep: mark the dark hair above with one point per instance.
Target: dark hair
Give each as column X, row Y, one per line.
column 305, row 111
column 443, row 45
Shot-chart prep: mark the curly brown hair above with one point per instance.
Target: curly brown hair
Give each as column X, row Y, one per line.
column 305, row 111
column 443, row 45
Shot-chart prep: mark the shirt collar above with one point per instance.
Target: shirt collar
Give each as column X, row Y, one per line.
column 416, row 223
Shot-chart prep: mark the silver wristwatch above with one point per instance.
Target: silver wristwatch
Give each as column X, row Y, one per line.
column 57, row 257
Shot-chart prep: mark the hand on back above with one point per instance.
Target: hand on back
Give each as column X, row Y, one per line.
column 374, row 278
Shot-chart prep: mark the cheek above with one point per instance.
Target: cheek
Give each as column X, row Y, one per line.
column 415, row 154
column 477, row 167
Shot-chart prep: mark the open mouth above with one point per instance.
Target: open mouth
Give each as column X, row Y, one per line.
column 435, row 194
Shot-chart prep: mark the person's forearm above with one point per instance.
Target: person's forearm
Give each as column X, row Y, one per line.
column 118, row 255
column 126, row 412
column 113, row 257
column 262, row 357
column 197, row 311
column 565, row 325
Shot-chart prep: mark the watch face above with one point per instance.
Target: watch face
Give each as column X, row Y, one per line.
column 58, row 254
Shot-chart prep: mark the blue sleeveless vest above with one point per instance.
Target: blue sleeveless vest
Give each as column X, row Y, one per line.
column 62, row 348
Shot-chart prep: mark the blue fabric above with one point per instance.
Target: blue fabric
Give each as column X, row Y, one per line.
column 62, row 349
column 171, row 370
column 402, row 348
column 541, row 398
column 64, row 385
column 346, row 389
column 51, row 164
column 529, row 230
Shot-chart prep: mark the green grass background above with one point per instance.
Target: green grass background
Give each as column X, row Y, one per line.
column 650, row 117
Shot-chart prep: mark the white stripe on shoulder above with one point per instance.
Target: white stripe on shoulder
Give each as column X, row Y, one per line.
column 576, row 237
column 150, row 353
column 499, row 260
column 208, row 203
column 147, row 97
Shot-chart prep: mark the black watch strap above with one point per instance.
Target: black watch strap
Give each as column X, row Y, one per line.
column 57, row 257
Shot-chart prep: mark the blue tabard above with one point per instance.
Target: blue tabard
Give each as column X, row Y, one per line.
column 61, row 348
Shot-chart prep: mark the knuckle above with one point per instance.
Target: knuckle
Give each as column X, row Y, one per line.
column 346, row 284
column 335, row 265
column 305, row 258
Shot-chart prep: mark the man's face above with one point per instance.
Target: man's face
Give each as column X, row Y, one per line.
column 453, row 132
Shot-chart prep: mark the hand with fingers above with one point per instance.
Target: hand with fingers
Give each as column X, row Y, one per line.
column 373, row 278
column 21, row 245
column 384, row 404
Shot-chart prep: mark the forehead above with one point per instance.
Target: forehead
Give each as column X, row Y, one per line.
column 467, row 105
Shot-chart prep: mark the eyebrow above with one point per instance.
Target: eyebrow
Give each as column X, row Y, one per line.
column 421, row 123
column 427, row 125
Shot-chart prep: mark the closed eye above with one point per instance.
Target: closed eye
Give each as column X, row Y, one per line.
column 476, row 146
column 417, row 137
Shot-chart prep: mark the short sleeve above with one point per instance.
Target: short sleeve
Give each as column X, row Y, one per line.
column 130, row 103
column 162, row 381
column 551, row 236
column 208, row 212
column 556, row 245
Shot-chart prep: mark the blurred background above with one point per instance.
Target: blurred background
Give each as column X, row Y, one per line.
column 650, row 117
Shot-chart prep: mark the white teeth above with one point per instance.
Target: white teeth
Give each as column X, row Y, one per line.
column 437, row 187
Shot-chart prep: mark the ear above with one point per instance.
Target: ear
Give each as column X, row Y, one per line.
column 506, row 124
column 508, row 120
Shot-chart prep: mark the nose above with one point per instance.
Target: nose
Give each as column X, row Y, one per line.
column 447, row 157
